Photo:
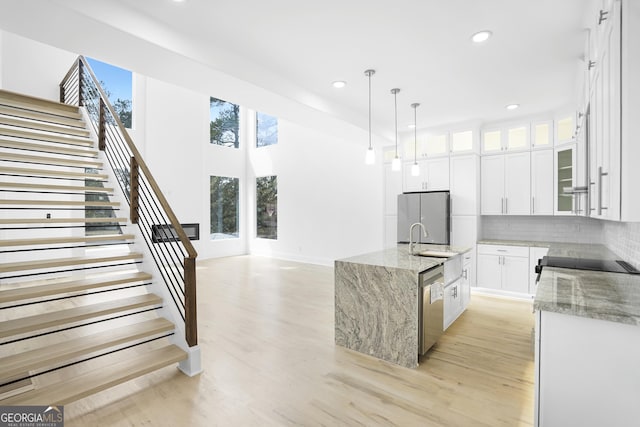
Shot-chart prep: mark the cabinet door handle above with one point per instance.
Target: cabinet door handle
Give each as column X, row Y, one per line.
column 533, row 205
column 506, row 205
column 502, row 205
column 591, row 65
column 602, row 17
column 600, row 175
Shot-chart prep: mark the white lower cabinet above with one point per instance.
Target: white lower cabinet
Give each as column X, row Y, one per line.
column 504, row 268
column 586, row 371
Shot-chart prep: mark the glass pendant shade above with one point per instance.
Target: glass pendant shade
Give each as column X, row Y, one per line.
column 396, row 164
column 370, row 157
column 415, row 169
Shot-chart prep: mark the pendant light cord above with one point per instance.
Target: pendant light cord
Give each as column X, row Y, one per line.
column 369, row 72
column 395, row 102
column 415, row 133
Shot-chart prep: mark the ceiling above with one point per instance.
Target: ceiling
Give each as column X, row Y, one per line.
column 297, row 48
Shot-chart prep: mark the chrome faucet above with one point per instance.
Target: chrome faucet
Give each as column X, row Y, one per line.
column 411, row 243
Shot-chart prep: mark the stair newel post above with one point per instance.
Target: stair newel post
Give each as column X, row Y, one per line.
column 102, row 127
column 80, row 78
column 190, row 311
column 134, row 175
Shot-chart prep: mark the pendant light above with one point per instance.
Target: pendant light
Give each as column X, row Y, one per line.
column 396, row 163
column 415, row 168
column 370, row 157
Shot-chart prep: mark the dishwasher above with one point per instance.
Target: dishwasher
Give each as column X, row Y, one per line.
column 431, row 306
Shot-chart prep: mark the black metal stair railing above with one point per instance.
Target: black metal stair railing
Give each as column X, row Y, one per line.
column 172, row 251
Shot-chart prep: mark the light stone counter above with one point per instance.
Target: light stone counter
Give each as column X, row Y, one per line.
column 593, row 294
column 376, row 302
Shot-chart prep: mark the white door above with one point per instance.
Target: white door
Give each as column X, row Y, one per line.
column 517, row 184
column 492, row 185
column 464, row 184
column 515, row 274
column 542, row 182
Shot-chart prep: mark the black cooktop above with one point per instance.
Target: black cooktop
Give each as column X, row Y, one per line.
column 614, row 266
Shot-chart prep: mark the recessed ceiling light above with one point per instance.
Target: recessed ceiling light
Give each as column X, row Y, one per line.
column 339, row 84
column 481, row 36
column 512, row 106
column 411, row 126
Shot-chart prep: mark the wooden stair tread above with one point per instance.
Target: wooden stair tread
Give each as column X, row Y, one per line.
column 54, row 149
column 35, row 135
column 41, row 117
column 26, row 292
column 28, row 158
column 65, row 262
column 55, row 240
column 53, row 187
column 7, row 221
column 57, row 203
column 47, row 173
column 47, row 127
column 59, row 354
column 28, row 102
column 100, row 379
column 71, row 315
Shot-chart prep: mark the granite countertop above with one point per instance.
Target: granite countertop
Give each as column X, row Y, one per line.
column 399, row 257
column 534, row 243
column 594, row 294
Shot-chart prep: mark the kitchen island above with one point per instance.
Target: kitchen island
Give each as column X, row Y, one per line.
column 377, row 301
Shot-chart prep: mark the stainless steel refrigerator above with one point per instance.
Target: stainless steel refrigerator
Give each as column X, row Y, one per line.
column 431, row 208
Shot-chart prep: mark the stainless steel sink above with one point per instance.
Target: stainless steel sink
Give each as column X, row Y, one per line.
column 437, row 254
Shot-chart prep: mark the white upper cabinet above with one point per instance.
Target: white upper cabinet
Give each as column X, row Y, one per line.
column 508, row 138
column 542, row 135
column 506, row 184
column 434, row 175
column 464, row 184
column 436, row 145
column 463, row 141
column 492, row 141
column 542, row 182
column 565, row 179
column 565, row 129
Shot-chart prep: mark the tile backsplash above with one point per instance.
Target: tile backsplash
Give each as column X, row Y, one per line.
column 623, row 238
column 570, row 229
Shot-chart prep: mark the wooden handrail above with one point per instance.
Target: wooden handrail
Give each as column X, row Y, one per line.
column 143, row 166
column 138, row 164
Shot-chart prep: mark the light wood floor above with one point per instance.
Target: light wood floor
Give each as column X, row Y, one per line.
column 266, row 332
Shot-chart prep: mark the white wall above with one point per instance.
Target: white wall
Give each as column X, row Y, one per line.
column 330, row 203
column 32, row 68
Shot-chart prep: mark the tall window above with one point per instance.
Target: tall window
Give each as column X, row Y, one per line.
column 117, row 83
column 224, row 196
column 267, row 207
column 266, row 130
column 225, row 123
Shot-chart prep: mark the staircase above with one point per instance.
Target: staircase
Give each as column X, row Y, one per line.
column 77, row 309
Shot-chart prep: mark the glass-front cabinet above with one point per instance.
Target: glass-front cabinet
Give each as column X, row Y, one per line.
column 565, row 180
column 542, row 134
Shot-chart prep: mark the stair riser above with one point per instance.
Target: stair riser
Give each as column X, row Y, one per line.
column 40, row 117
column 45, row 149
column 38, row 126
